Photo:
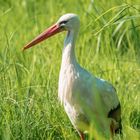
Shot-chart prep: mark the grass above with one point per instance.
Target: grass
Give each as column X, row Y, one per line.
column 109, row 38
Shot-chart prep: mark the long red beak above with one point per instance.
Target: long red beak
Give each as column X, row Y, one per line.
column 44, row 35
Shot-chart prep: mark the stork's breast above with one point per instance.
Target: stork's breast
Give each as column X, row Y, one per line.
column 67, row 82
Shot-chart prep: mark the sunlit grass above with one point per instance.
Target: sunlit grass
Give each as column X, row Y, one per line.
column 108, row 46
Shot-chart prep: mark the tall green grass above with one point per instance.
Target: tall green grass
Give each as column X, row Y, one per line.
column 108, row 46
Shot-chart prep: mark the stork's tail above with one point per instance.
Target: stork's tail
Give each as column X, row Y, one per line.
column 119, row 129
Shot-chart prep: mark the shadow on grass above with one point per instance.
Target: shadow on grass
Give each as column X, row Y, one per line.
column 135, row 120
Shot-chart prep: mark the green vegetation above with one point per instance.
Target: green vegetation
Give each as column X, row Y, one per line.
column 108, row 46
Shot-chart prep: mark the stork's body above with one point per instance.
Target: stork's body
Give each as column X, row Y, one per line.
column 85, row 98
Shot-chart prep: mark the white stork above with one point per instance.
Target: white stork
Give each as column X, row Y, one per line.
column 86, row 98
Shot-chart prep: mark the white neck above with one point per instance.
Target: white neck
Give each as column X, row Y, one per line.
column 68, row 56
column 68, row 59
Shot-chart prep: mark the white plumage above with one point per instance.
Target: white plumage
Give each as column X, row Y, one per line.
column 85, row 97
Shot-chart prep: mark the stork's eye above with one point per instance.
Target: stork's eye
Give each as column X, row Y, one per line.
column 63, row 22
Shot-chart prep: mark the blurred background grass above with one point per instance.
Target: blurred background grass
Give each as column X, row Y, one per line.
column 108, row 46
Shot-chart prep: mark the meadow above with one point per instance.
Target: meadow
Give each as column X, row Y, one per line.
column 108, row 46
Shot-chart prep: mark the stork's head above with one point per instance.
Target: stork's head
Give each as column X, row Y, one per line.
column 66, row 22
column 69, row 22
